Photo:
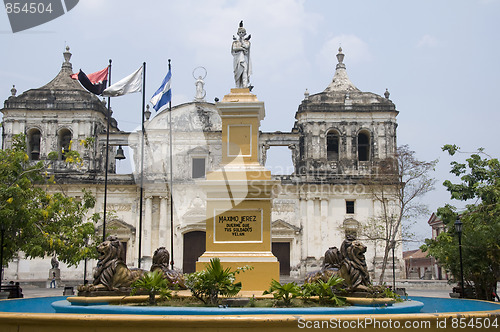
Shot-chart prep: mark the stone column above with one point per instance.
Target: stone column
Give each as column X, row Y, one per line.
column 146, row 232
column 305, row 227
column 323, row 227
column 332, row 226
column 317, row 246
column 312, row 227
column 164, row 224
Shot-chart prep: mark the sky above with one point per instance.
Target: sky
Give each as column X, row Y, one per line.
column 440, row 61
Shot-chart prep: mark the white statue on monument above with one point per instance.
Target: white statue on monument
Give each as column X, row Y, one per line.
column 242, row 65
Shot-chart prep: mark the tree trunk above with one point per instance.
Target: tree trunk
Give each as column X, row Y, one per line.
column 152, row 298
column 384, row 262
column 214, row 298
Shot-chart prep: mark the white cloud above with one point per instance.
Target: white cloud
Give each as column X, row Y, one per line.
column 354, row 48
column 287, row 20
column 427, row 41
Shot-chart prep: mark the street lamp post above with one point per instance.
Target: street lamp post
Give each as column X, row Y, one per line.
column 85, row 266
column 393, row 245
column 2, row 236
column 458, row 229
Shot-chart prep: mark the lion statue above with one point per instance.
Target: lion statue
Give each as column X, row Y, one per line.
column 111, row 272
column 356, row 275
column 348, row 263
column 160, row 262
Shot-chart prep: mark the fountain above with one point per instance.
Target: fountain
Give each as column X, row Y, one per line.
column 97, row 310
column 39, row 314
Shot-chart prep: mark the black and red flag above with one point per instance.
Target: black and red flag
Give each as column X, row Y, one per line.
column 95, row 82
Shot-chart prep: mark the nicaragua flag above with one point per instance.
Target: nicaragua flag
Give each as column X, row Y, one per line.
column 163, row 95
column 95, row 82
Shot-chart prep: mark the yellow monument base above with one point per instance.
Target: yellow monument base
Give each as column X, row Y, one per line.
column 256, row 280
column 238, row 226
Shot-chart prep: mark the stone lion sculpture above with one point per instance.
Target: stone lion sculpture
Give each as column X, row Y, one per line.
column 160, row 262
column 111, row 272
column 348, row 263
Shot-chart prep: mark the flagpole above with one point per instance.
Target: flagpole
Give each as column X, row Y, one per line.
column 171, row 183
column 142, row 160
column 107, row 158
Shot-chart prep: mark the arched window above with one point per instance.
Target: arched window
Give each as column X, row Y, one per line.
column 351, row 227
column 34, row 144
column 332, row 145
column 363, row 146
column 63, row 142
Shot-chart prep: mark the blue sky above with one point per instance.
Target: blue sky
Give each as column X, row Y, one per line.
column 440, row 60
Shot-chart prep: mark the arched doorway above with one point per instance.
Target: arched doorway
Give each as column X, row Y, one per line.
column 194, row 247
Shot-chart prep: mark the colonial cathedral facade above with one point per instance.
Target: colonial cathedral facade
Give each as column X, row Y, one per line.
column 340, row 137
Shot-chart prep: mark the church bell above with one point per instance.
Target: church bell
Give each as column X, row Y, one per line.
column 119, row 153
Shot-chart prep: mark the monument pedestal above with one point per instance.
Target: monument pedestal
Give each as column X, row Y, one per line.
column 57, row 273
column 239, row 194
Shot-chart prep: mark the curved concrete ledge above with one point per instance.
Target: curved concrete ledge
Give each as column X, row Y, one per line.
column 133, row 323
column 102, row 300
column 72, row 308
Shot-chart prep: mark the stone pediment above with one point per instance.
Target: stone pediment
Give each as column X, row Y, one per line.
column 198, row 151
column 188, row 118
column 281, row 227
column 196, row 211
column 119, row 228
column 200, row 225
column 195, row 215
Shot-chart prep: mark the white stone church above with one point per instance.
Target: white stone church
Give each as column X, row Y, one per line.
column 339, row 137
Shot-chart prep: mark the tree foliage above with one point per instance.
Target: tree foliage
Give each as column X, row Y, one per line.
column 480, row 186
column 36, row 221
column 397, row 186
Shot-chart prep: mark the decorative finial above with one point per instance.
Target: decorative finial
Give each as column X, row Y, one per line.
column 67, row 54
column 67, row 57
column 387, row 93
column 340, row 56
column 306, row 94
column 241, row 24
column 340, row 59
column 13, row 91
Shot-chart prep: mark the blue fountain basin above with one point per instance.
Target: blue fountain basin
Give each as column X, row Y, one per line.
column 59, row 304
column 64, row 306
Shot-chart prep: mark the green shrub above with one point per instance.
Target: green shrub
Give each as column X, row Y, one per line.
column 153, row 283
column 383, row 291
column 325, row 291
column 215, row 281
column 284, row 293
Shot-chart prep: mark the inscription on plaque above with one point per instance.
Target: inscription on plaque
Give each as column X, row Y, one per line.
column 238, row 226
